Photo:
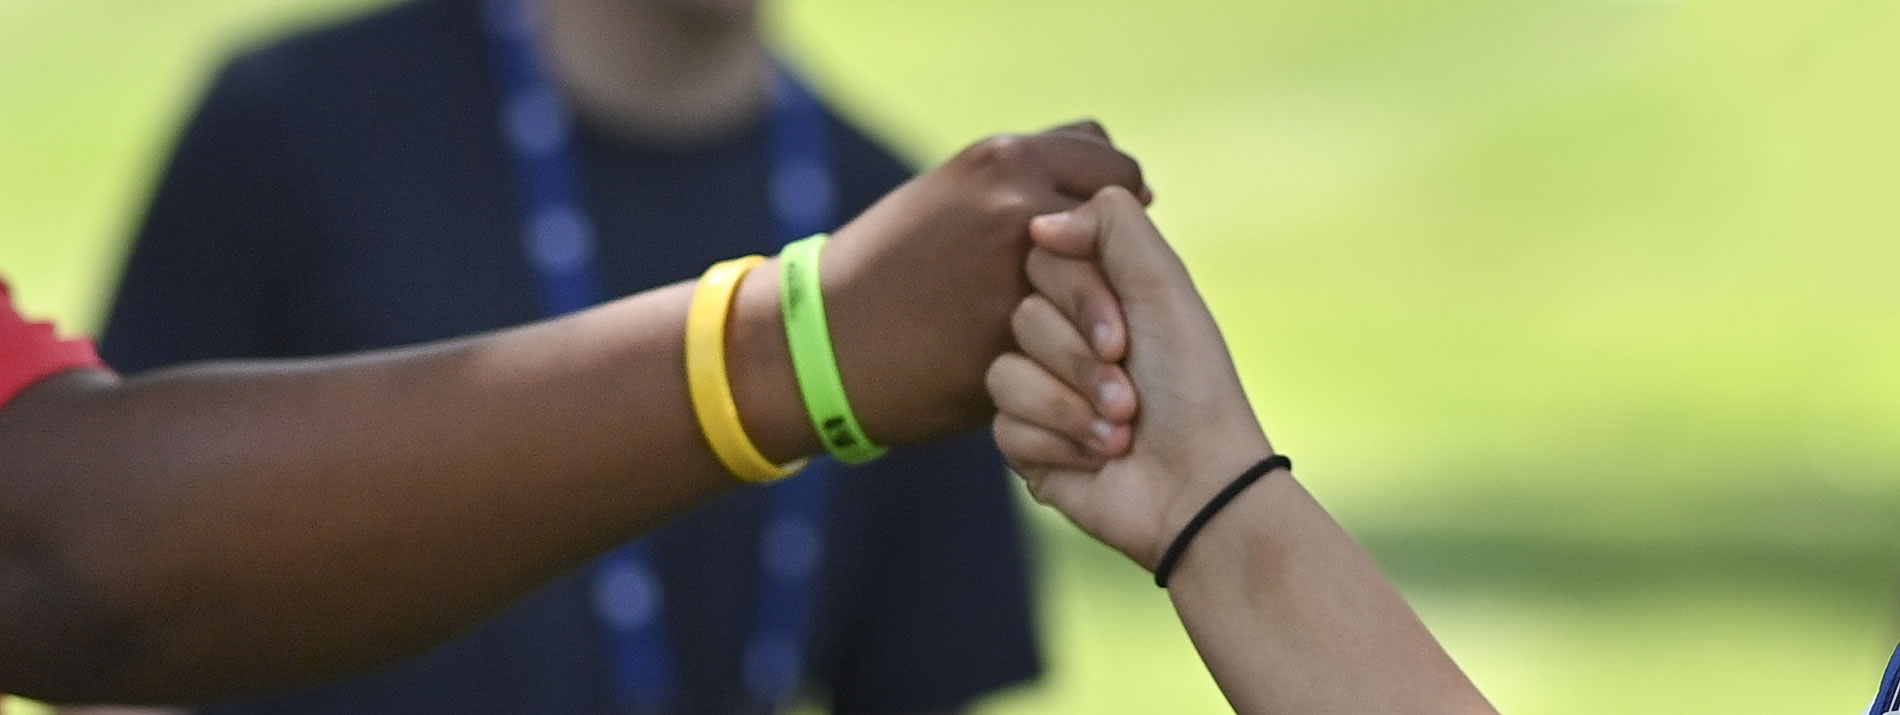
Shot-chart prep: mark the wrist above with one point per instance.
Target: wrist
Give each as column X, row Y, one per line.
column 856, row 342
column 1253, row 533
column 760, row 370
column 1212, row 469
column 814, row 354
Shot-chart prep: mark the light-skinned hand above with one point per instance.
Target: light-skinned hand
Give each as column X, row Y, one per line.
column 1130, row 472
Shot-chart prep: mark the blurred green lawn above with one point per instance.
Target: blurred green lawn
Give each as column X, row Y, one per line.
column 1580, row 313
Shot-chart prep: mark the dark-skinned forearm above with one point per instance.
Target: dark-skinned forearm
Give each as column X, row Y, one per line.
column 228, row 527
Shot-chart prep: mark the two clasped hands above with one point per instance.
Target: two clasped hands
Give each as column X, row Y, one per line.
column 1121, row 408
column 1117, row 401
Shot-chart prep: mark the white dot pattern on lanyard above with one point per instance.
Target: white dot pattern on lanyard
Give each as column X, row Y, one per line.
column 790, row 547
column 802, row 192
column 772, row 665
column 537, row 122
column 560, row 239
column 626, row 594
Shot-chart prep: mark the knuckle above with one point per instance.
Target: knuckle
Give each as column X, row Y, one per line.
column 1018, row 450
column 1082, row 293
column 996, row 378
column 1022, row 321
column 1084, row 369
column 1018, row 469
column 1041, row 266
column 1116, row 196
column 1006, row 151
column 1134, row 165
column 1038, row 488
column 1061, row 407
column 1057, row 277
column 1001, row 431
column 1010, row 205
column 1066, row 283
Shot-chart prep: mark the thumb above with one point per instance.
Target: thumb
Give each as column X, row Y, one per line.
column 1113, row 230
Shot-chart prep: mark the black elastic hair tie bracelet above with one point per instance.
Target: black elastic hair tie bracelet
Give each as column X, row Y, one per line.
column 1246, row 479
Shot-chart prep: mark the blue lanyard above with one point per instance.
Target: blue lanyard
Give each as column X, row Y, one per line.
column 558, row 238
column 1887, row 699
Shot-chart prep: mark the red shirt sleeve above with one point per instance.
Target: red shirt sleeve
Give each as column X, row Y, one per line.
column 30, row 352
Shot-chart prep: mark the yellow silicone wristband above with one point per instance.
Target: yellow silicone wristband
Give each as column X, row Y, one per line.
column 706, row 377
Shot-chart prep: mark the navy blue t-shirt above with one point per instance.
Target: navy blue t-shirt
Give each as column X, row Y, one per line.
column 349, row 189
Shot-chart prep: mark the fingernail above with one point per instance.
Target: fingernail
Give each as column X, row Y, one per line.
column 1050, row 222
column 1109, row 392
column 1102, row 335
column 1103, row 430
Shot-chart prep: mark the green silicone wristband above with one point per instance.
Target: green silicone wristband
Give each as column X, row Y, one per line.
column 813, row 361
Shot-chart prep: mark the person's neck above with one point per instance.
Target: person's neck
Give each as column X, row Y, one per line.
column 646, row 71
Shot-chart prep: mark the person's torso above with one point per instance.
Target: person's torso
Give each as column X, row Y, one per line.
column 410, row 225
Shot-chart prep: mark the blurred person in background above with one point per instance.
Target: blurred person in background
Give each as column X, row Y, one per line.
column 449, row 166
column 224, row 528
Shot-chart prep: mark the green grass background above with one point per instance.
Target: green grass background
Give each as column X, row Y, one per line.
column 1580, row 313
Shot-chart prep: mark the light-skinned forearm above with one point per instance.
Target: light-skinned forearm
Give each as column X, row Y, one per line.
column 1293, row 617
column 228, row 527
